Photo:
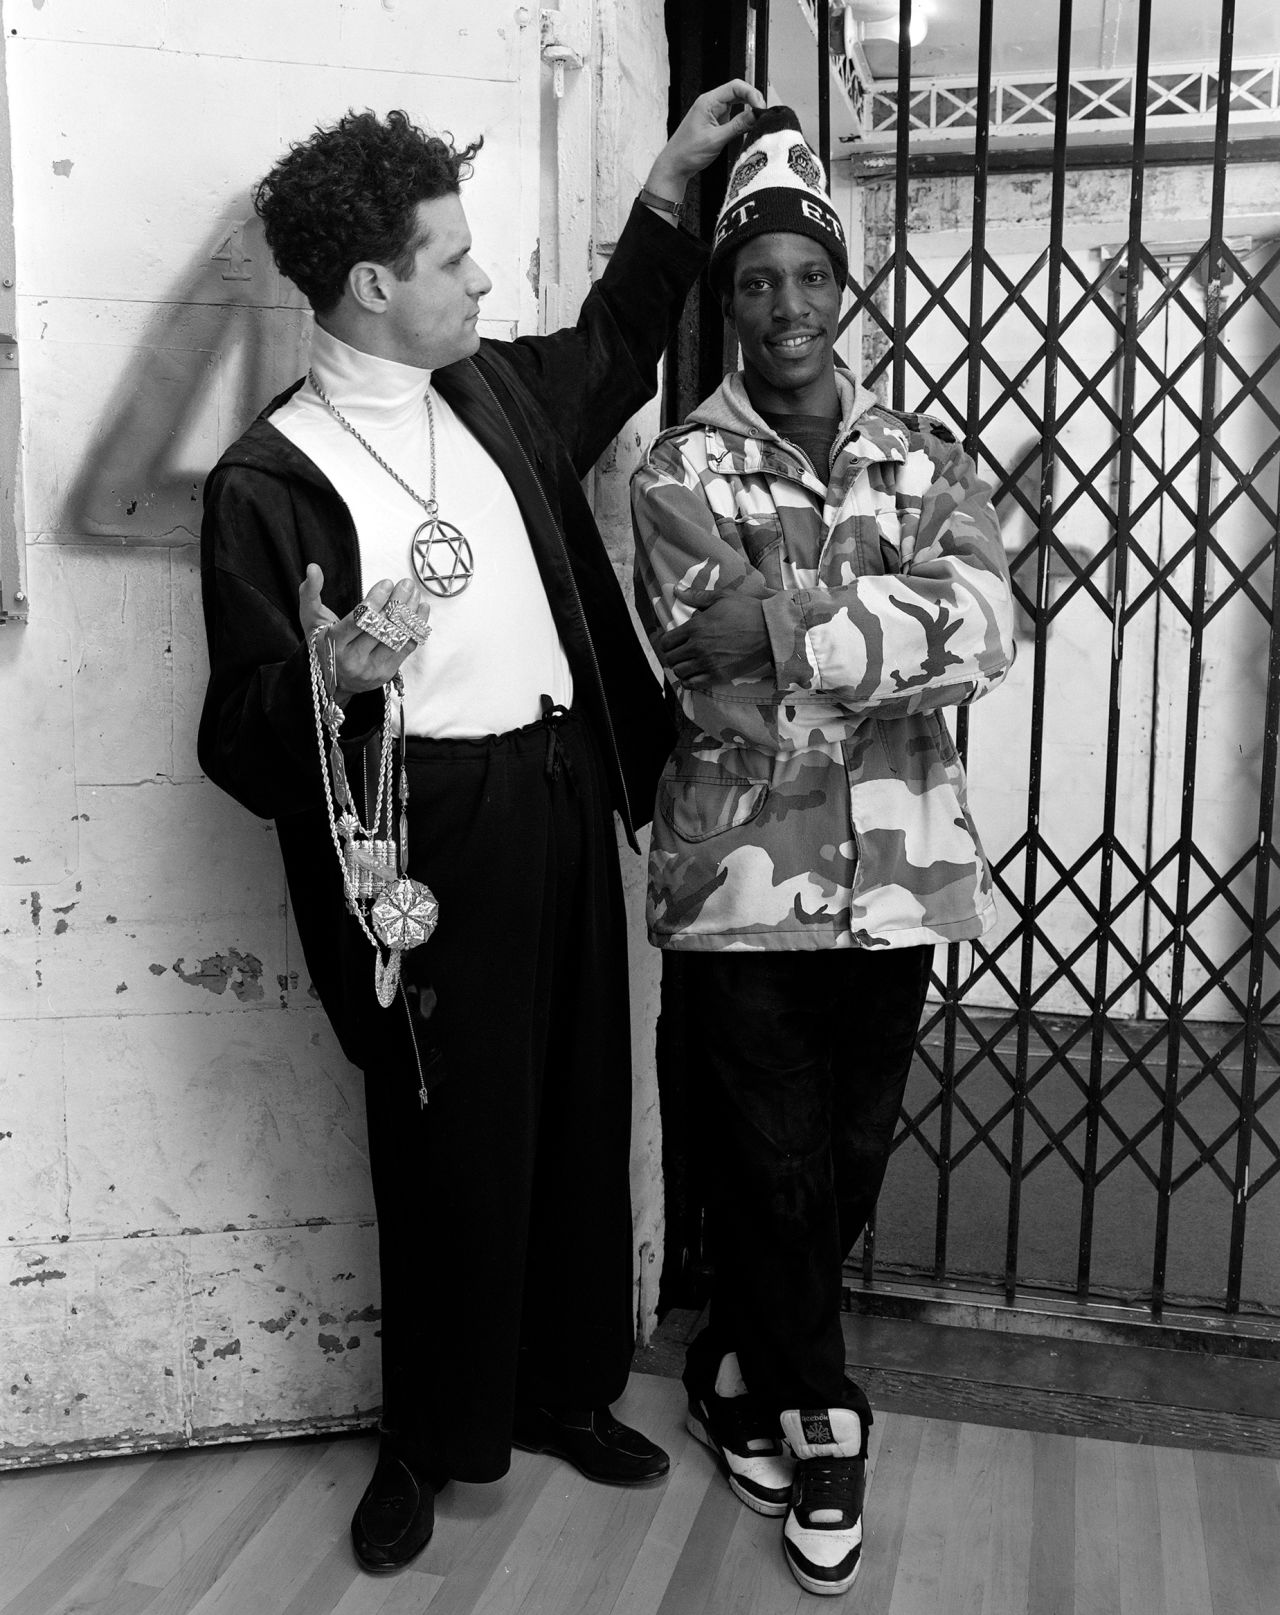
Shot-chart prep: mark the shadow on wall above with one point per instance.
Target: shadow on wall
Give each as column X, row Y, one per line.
column 213, row 353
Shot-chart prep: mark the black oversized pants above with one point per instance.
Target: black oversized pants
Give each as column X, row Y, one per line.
column 804, row 1057
column 503, row 1205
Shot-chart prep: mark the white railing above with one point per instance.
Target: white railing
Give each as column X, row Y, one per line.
column 843, row 67
column 1021, row 104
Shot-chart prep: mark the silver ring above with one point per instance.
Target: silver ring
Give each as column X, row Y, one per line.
column 380, row 627
column 414, row 625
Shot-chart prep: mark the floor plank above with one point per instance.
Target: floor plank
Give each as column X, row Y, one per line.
column 551, row 1539
column 1142, row 1583
column 197, row 1504
column 1053, row 1570
column 918, row 1584
column 693, row 1472
column 752, row 1577
column 1240, row 1509
column 102, row 1540
column 962, row 1519
column 252, row 1511
column 316, row 1512
column 45, row 1510
column 407, row 1593
column 1006, row 1585
column 1182, row 1551
column 476, row 1528
column 1097, row 1546
column 885, row 1513
column 968, row 1544
column 695, row 1571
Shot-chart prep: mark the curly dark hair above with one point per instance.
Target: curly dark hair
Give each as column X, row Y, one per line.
column 349, row 194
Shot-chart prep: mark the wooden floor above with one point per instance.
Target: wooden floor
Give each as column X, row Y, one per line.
column 961, row 1519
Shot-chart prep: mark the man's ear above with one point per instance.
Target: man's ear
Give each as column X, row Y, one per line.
column 367, row 283
column 726, row 307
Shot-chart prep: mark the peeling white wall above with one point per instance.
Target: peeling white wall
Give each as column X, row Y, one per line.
column 189, row 1248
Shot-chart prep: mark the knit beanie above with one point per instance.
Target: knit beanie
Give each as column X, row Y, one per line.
column 777, row 184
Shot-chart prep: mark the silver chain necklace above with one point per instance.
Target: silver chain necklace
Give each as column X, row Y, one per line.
column 440, row 556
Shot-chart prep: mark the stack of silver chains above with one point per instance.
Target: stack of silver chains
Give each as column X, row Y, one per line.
column 440, row 556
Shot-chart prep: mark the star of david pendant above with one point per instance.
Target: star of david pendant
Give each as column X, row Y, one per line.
column 441, row 558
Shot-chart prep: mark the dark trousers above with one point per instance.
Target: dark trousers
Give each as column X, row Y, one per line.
column 804, row 1058
column 504, row 1213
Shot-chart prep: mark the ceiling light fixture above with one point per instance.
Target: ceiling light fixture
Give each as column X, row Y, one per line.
column 861, row 20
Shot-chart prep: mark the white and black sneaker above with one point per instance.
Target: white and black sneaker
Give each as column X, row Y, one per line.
column 822, row 1533
column 745, row 1438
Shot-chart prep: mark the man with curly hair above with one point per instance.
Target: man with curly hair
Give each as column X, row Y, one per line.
column 419, row 472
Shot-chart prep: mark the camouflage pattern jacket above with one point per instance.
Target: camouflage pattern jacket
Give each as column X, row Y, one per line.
column 826, row 807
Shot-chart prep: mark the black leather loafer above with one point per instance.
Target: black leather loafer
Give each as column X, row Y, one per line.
column 593, row 1441
column 394, row 1519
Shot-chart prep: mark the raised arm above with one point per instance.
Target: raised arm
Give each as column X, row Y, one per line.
column 593, row 376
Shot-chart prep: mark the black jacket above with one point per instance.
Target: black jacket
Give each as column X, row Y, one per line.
column 545, row 408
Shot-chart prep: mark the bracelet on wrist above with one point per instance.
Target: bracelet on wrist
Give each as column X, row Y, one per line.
column 664, row 204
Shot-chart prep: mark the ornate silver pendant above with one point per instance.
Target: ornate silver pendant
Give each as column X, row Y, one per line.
column 371, row 866
column 386, row 976
column 441, row 558
column 404, row 914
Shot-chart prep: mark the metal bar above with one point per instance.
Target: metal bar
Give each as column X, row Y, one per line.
column 1053, row 1316
column 950, row 1045
column 978, row 238
column 869, row 1252
column 899, row 321
column 1204, row 491
column 1106, row 873
column 760, row 77
column 1107, row 851
column 824, row 87
column 973, row 412
column 1039, row 679
column 903, row 154
column 1036, row 159
column 1258, row 948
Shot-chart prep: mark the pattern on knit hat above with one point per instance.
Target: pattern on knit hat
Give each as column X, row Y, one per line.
column 777, row 186
column 744, row 173
column 800, row 160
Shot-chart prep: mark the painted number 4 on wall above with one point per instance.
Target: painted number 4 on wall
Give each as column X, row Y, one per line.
column 230, row 251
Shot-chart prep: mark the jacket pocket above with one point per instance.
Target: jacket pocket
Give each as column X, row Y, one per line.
column 696, row 807
column 946, row 746
column 918, row 747
column 761, row 540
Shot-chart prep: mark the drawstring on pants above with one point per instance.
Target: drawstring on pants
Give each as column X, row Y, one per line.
column 553, row 715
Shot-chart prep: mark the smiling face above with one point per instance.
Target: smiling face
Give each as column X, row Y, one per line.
column 784, row 304
column 430, row 317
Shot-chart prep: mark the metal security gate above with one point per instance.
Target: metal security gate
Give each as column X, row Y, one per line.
column 1095, row 309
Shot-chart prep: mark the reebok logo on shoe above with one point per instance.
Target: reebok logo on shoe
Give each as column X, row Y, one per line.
column 816, row 1428
column 823, row 1432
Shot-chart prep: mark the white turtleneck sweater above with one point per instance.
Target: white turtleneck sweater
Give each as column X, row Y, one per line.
column 494, row 649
